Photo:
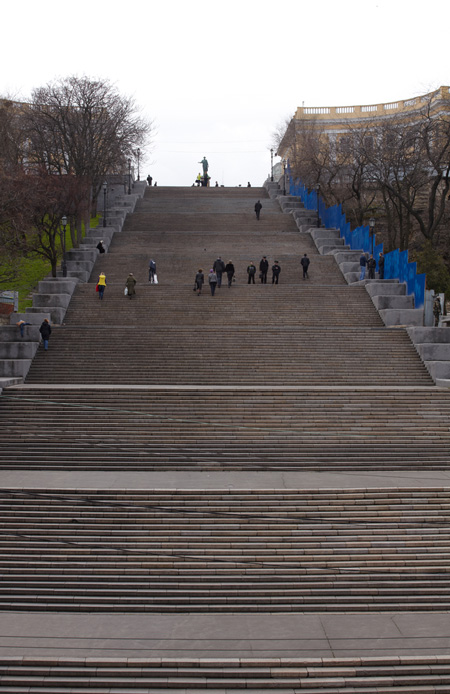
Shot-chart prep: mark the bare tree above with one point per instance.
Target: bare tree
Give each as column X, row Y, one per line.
column 83, row 127
column 15, row 219
column 411, row 165
column 51, row 197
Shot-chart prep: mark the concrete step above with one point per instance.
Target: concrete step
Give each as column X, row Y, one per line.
column 409, row 675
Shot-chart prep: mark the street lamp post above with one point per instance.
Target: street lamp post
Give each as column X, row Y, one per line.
column 271, row 165
column 129, row 176
column 284, row 176
column 371, row 228
column 105, row 189
column 138, row 155
column 317, row 193
column 63, row 245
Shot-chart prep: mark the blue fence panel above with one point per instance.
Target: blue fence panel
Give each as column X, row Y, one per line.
column 396, row 265
column 419, row 291
column 403, row 266
column 411, row 278
column 391, row 265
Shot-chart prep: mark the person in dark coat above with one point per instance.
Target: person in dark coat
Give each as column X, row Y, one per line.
column 381, row 266
column 251, row 272
column 46, row 331
column 275, row 272
column 305, row 261
column 258, row 208
column 371, row 266
column 362, row 265
column 199, row 280
column 229, row 269
column 212, row 279
column 219, row 269
column 263, row 268
column 101, row 247
column 131, row 284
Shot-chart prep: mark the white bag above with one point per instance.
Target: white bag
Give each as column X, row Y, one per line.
column 155, row 279
column 125, row 291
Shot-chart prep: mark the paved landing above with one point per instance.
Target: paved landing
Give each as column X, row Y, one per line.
column 225, row 636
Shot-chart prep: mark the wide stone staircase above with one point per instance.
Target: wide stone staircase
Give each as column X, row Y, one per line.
column 224, row 429
column 216, row 551
column 181, row 466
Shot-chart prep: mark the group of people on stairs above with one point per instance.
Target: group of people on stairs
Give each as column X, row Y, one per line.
column 219, row 269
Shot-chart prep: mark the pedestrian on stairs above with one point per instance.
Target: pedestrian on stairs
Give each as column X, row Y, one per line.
column 371, row 266
column 46, row 331
column 362, row 265
column 251, row 272
column 212, row 281
column 21, row 325
column 101, row 247
column 305, row 265
column 151, row 271
column 258, row 208
column 219, row 269
column 229, row 269
column 276, row 269
column 199, row 280
column 131, row 284
column 101, row 285
column 263, row 268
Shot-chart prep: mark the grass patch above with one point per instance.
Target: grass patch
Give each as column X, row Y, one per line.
column 30, row 271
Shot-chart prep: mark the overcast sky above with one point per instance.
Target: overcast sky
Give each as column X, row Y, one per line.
column 216, row 78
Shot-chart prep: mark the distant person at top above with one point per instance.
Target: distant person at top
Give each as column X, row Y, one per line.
column 258, row 208
column 204, row 163
column 149, row 180
column 156, row 183
column 249, row 185
column 217, row 184
column 198, row 180
column 101, row 247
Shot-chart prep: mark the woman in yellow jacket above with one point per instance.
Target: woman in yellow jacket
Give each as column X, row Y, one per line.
column 101, row 284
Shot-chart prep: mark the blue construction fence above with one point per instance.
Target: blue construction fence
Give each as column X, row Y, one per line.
column 396, row 264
